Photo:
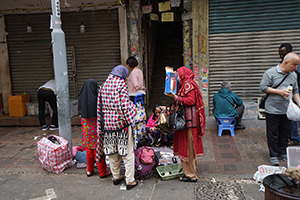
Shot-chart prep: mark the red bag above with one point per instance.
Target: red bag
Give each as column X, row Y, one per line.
column 54, row 157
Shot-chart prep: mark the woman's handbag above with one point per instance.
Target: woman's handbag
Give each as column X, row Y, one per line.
column 177, row 119
column 262, row 101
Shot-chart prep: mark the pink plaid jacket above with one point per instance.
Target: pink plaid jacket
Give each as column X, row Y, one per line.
column 117, row 108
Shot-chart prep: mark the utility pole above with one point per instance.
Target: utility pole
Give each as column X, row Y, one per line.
column 61, row 74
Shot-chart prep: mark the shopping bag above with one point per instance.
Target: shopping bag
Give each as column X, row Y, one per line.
column 293, row 112
column 54, row 158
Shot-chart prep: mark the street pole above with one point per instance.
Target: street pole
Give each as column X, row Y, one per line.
column 61, row 74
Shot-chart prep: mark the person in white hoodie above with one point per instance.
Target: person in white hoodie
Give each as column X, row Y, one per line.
column 47, row 92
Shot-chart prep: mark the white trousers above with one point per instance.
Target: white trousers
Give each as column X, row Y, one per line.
column 129, row 160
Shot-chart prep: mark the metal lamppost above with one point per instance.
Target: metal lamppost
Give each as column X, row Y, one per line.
column 61, row 74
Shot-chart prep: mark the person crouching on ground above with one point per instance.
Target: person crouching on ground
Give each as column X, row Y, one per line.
column 187, row 143
column 228, row 104
column 115, row 120
column 154, row 131
column 87, row 101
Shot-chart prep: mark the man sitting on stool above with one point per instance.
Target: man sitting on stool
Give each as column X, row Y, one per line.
column 228, row 104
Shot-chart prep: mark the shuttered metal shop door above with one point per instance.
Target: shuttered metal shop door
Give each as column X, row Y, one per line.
column 89, row 55
column 244, row 40
column 29, row 53
column 97, row 50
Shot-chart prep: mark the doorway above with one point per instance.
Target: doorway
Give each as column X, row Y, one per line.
column 168, row 52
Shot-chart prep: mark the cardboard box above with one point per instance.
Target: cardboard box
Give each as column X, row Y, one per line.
column 251, row 110
column 33, row 108
column 17, row 105
column 171, row 81
column 293, row 156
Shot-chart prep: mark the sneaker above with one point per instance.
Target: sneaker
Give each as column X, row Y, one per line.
column 283, row 157
column 44, row 127
column 239, row 127
column 53, row 127
column 274, row 161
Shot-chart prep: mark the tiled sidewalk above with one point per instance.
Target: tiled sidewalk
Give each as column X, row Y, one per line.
column 18, row 146
column 241, row 154
column 237, row 155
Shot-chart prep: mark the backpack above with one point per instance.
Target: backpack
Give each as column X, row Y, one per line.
column 144, row 170
column 146, row 155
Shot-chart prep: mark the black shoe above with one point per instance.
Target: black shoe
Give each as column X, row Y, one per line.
column 44, row 127
column 239, row 127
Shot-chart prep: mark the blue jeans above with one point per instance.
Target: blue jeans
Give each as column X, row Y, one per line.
column 294, row 136
column 157, row 133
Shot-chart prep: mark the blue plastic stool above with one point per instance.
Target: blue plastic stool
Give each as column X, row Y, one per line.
column 226, row 123
column 139, row 98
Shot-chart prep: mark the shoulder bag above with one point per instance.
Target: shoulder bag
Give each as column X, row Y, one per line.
column 177, row 119
column 262, row 101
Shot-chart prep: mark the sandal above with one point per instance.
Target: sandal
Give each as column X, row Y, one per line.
column 129, row 187
column 118, row 181
column 108, row 173
column 187, row 179
column 89, row 174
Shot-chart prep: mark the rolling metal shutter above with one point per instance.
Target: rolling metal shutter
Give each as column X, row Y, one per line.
column 97, row 50
column 29, row 53
column 244, row 40
column 89, row 55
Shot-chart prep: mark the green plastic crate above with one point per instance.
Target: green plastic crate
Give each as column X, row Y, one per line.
column 175, row 169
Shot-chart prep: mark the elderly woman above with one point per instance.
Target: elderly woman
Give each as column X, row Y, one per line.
column 187, row 143
column 115, row 116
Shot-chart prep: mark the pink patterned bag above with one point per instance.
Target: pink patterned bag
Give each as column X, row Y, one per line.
column 54, row 157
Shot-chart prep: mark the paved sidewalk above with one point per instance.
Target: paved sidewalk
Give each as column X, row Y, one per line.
column 226, row 158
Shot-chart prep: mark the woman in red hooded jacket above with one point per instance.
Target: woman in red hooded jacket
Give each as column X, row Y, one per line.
column 187, row 143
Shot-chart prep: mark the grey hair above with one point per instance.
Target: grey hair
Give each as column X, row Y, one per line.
column 226, row 84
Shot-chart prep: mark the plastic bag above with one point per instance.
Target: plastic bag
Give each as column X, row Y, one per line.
column 293, row 112
column 54, row 157
column 266, row 170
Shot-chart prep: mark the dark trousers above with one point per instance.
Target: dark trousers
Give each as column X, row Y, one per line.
column 240, row 109
column 278, row 127
column 43, row 96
